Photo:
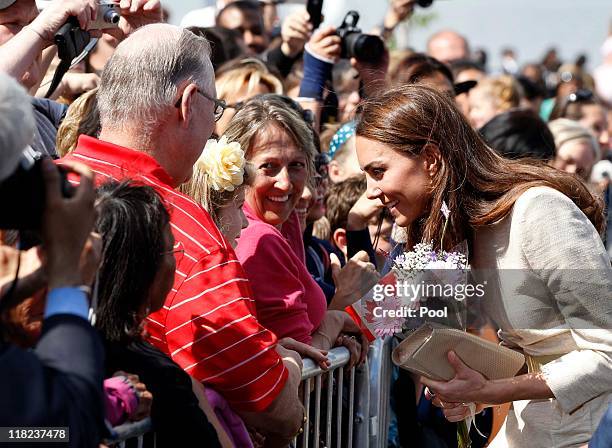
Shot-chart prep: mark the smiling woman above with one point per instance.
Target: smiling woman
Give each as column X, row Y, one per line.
column 280, row 147
column 533, row 229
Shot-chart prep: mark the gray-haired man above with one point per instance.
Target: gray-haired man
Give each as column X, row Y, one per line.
column 157, row 104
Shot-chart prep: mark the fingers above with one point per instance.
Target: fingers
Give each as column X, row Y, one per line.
column 362, row 255
column 457, row 413
column 51, row 178
column 86, row 190
column 323, row 33
column 151, row 5
column 335, row 265
column 456, row 362
column 434, row 385
column 365, row 348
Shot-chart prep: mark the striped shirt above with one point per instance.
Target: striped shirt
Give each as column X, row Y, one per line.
column 208, row 323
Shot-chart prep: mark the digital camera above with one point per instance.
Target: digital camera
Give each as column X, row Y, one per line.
column 108, row 15
column 23, row 193
column 355, row 44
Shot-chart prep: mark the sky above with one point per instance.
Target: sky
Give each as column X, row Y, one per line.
column 528, row 26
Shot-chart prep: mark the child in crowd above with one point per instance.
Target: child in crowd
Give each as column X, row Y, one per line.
column 344, row 163
column 218, row 184
column 350, row 212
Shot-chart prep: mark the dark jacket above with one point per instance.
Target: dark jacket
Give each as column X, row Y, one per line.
column 57, row 384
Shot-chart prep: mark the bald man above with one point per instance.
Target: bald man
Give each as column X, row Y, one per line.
column 448, row 46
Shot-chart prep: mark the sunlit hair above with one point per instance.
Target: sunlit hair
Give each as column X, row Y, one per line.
column 82, row 118
column 251, row 72
column 265, row 111
column 479, row 186
column 505, row 90
column 199, row 189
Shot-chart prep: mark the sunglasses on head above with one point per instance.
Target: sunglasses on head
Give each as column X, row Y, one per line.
column 579, row 96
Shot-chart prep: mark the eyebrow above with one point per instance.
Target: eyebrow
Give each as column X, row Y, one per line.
column 371, row 164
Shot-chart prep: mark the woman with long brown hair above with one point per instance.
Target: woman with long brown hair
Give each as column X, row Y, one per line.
column 530, row 225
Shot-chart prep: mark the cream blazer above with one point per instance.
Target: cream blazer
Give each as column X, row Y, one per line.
column 549, row 291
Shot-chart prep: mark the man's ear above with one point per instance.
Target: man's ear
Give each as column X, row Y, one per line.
column 432, row 159
column 186, row 106
column 339, row 239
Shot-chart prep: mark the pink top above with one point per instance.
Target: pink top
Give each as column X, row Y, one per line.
column 288, row 301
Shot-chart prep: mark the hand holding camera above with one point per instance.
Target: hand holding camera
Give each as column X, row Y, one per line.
column 55, row 16
column 295, row 32
column 326, row 44
column 67, row 223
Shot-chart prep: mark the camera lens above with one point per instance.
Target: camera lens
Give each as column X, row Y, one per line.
column 424, row 3
column 365, row 47
column 111, row 17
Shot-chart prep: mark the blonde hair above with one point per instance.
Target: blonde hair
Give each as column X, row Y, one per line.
column 504, row 89
column 199, row 189
column 565, row 130
column 82, row 118
column 250, row 72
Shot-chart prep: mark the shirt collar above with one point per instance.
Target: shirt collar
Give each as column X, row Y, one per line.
column 131, row 160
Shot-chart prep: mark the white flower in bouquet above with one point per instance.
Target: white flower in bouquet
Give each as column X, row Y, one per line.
column 223, row 162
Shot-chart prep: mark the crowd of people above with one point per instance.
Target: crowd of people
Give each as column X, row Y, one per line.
column 191, row 212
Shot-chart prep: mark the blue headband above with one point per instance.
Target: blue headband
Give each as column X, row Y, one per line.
column 345, row 132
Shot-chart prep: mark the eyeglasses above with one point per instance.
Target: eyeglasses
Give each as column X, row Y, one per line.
column 177, row 251
column 220, row 105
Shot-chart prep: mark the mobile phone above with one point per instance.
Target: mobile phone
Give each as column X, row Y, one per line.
column 314, row 8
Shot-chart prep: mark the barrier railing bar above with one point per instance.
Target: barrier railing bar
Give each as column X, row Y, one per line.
column 351, row 407
column 307, row 411
column 328, row 415
column 337, row 357
column 339, row 406
column 317, row 422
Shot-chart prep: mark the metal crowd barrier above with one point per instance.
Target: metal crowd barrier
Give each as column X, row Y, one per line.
column 131, row 434
column 367, row 391
column 365, row 410
column 381, row 366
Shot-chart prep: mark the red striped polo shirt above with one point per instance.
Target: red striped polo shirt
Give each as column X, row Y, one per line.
column 208, row 324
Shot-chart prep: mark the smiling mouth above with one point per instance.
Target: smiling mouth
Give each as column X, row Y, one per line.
column 279, row 199
column 301, row 211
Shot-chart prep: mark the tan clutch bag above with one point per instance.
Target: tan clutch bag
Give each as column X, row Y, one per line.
column 425, row 352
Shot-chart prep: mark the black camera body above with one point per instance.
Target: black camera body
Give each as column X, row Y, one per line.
column 23, row 194
column 355, row 44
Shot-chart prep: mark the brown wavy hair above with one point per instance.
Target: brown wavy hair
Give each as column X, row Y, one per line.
column 479, row 186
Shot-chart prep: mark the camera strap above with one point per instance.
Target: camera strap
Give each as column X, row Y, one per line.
column 71, row 41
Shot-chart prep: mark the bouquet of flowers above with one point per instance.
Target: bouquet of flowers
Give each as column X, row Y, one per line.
column 420, row 280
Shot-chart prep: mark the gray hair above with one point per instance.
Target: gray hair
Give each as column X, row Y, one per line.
column 17, row 125
column 140, row 82
column 268, row 110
